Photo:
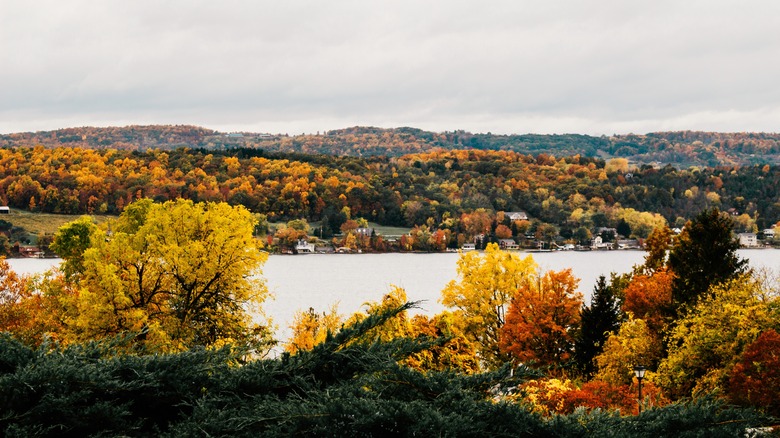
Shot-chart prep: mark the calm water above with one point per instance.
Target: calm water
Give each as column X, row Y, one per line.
column 350, row 280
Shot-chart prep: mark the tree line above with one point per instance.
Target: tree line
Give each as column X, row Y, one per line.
column 687, row 148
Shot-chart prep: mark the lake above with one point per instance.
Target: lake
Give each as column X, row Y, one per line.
column 320, row 280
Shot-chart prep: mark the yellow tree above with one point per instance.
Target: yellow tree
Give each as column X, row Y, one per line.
column 481, row 296
column 456, row 353
column 707, row 343
column 396, row 327
column 632, row 345
column 657, row 245
column 311, row 328
column 184, row 274
column 542, row 319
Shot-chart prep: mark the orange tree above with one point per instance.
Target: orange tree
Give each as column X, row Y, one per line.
column 649, row 297
column 542, row 319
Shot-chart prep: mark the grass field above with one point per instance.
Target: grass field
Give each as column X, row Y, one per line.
column 389, row 231
column 43, row 223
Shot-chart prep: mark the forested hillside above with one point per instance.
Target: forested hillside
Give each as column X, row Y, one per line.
column 432, row 189
column 684, row 148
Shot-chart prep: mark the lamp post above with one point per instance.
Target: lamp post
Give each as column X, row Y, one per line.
column 639, row 372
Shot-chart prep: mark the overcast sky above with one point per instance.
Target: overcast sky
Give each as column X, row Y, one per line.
column 286, row 66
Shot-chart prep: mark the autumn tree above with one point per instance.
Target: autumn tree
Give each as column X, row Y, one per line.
column 703, row 255
column 755, row 380
column 180, row 273
column 649, row 297
column 707, row 343
column 503, row 232
column 70, row 242
column 398, row 326
column 632, row 345
column 555, row 396
column 310, row 328
column 482, row 294
column 597, row 322
column 289, row 234
column 300, row 225
column 450, row 350
column 453, row 352
column 34, row 308
column 476, row 222
column 542, row 319
column 15, row 299
column 657, row 246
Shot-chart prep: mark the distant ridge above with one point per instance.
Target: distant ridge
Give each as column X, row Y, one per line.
column 680, row 148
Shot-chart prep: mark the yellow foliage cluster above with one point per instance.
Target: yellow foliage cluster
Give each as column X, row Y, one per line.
column 177, row 274
column 481, row 297
column 632, row 345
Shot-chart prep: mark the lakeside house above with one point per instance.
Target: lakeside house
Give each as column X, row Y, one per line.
column 598, row 243
column 364, row 231
column 508, row 244
column 30, row 251
column 748, row 240
column 304, row 247
column 469, row 247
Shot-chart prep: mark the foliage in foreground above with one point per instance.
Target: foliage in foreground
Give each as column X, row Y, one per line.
column 339, row 388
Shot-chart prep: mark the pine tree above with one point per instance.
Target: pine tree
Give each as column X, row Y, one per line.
column 705, row 254
column 597, row 321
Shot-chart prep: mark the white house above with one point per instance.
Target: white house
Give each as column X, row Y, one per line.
column 5, row 210
column 516, row 216
column 304, row 247
column 364, row 231
column 598, row 243
column 748, row 240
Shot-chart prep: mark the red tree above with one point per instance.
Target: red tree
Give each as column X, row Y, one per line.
column 755, row 380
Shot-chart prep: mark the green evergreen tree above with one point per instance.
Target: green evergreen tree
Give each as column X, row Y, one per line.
column 597, row 321
column 623, row 228
column 704, row 254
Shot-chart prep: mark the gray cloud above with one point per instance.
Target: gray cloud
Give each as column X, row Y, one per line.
column 596, row 67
